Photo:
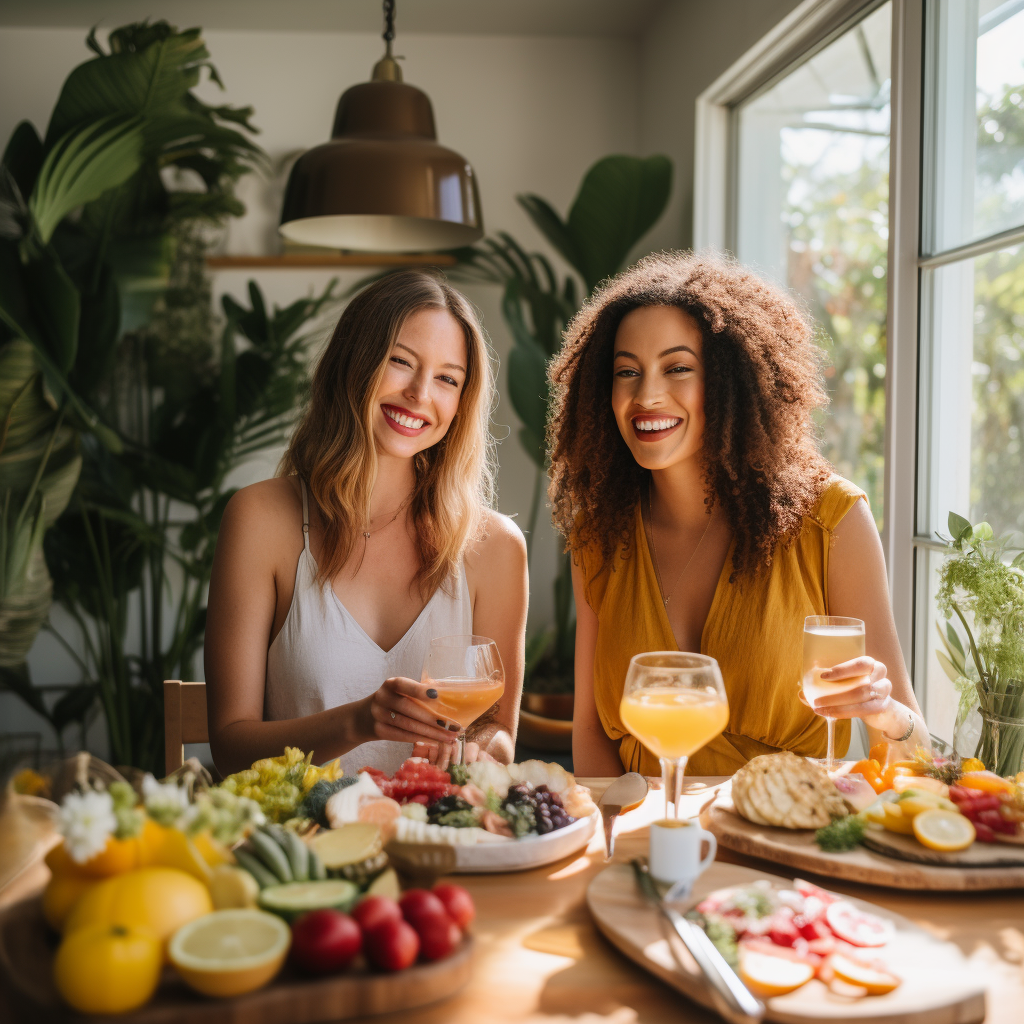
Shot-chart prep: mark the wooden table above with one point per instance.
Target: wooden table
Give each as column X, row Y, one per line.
column 540, row 958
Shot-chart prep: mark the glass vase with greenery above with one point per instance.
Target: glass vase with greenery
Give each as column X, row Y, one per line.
column 984, row 590
column 618, row 202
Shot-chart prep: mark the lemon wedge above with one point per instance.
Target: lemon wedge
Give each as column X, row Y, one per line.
column 945, row 831
column 767, row 975
column 876, row 982
column 230, row 952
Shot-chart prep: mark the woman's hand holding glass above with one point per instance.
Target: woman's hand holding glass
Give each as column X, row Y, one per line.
column 871, row 697
column 394, row 713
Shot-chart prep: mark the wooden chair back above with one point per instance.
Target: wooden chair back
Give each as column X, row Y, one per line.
column 184, row 720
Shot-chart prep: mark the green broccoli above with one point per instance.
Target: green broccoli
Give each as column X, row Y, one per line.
column 459, row 774
column 843, row 834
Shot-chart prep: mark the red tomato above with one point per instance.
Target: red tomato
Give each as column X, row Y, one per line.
column 856, row 927
column 438, row 938
column 419, row 906
column 809, row 889
column 457, row 902
column 374, row 910
column 324, row 941
column 392, row 946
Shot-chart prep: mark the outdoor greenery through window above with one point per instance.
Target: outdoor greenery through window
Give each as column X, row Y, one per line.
column 812, row 212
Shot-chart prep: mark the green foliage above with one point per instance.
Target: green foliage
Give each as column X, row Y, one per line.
column 89, row 217
column 843, row 834
column 619, row 200
column 981, row 587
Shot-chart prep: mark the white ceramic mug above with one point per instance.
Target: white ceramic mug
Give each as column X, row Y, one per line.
column 675, row 850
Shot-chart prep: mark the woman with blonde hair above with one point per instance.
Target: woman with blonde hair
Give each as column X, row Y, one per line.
column 701, row 516
column 377, row 536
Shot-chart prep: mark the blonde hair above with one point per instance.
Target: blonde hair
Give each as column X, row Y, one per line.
column 332, row 448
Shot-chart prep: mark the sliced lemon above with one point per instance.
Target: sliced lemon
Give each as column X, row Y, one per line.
column 767, row 975
column 877, row 982
column 230, row 952
column 896, row 821
column 945, row 831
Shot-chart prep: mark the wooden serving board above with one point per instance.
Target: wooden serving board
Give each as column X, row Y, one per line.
column 938, row 986
column 27, row 948
column 797, row 850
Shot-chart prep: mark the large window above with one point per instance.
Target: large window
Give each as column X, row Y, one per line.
column 812, row 212
column 971, row 429
column 874, row 161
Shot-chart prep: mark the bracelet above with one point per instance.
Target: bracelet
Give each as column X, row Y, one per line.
column 906, row 736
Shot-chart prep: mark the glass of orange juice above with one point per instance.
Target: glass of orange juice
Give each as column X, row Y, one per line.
column 829, row 640
column 467, row 673
column 674, row 703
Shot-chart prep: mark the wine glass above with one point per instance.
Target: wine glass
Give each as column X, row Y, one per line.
column 467, row 674
column 830, row 640
column 674, row 703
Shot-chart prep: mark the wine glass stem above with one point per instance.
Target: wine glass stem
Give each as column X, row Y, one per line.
column 461, row 741
column 672, row 771
column 830, row 748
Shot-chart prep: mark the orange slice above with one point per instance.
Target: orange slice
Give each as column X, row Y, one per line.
column 769, row 976
column 876, row 982
column 945, row 831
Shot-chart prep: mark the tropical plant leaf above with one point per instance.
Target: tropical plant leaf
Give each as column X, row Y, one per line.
column 56, row 307
column 528, row 386
column 81, row 166
column 620, row 199
column 74, row 705
column 533, row 445
column 16, row 678
column 23, row 156
column 552, row 227
column 958, row 527
column 948, row 667
column 954, row 640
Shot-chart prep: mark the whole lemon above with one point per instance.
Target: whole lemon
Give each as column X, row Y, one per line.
column 157, row 899
column 107, row 968
column 61, row 894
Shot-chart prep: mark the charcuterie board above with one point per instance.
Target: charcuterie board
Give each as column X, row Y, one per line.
column 977, row 869
column 26, row 965
column 937, row 984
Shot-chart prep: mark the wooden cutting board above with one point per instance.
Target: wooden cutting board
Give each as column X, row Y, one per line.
column 27, row 948
column 981, row 867
column 938, row 986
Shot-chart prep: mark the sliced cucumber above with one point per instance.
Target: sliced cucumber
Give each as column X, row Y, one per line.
column 254, row 866
column 270, row 853
column 296, row 898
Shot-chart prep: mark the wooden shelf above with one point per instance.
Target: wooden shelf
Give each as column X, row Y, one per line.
column 300, row 260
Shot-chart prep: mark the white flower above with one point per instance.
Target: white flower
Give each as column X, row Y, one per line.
column 165, row 802
column 86, row 821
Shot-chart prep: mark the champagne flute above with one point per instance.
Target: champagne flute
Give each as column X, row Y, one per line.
column 830, row 640
column 674, row 703
column 467, row 673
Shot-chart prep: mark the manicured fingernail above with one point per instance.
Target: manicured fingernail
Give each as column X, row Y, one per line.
column 440, row 722
column 453, row 728
column 432, row 694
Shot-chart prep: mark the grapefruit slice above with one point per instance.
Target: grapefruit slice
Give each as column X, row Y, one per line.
column 875, row 981
column 768, row 976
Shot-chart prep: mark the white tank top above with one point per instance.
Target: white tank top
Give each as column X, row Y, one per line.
column 322, row 657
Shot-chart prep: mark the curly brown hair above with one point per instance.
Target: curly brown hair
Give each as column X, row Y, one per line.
column 762, row 384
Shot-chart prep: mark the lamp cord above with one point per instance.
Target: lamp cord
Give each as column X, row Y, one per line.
column 389, row 24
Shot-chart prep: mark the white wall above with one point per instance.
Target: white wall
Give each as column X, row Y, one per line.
column 530, row 114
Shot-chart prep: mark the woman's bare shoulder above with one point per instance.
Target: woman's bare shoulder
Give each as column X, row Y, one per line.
column 500, row 545
column 270, row 509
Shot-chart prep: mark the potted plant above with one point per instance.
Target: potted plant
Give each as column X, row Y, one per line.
column 983, row 590
column 619, row 200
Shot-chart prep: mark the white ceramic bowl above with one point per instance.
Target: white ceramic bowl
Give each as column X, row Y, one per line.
column 526, row 853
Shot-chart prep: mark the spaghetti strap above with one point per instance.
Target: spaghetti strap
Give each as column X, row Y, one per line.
column 305, row 515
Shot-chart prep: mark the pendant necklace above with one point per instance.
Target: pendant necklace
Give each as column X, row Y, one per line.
column 366, row 533
column 654, row 550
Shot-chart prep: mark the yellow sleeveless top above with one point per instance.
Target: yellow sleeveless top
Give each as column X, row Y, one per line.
column 754, row 630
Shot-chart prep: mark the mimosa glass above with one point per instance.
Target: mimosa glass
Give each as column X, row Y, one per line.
column 829, row 640
column 674, row 703
column 467, row 673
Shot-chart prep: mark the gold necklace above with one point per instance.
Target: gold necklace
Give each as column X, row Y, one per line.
column 654, row 549
column 366, row 533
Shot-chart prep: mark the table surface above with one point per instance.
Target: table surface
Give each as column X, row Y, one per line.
column 540, row 958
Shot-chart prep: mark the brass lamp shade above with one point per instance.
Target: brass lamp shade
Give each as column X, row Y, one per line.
column 383, row 183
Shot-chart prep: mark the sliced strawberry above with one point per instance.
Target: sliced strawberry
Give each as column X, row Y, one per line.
column 783, row 931
column 809, row 889
column 812, row 929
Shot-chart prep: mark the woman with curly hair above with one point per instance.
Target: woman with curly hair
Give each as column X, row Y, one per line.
column 377, row 536
column 701, row 517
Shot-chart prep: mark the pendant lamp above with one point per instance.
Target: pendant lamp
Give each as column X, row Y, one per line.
column 383, row 184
